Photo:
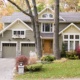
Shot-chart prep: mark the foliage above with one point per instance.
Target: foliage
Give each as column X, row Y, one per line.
column 78, row 50
column 72, row 55
column 21, row 59
column 34, row 67
column 47, row 58
column 67, row 69
column 40, row 7
column 63, row 52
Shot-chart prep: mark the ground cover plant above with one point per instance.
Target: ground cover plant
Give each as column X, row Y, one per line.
column 67, row 69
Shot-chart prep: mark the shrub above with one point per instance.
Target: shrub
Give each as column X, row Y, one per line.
column 72, row 55
column 48, row 58
column 34, row 67
column 21, row 59
column 78, row 50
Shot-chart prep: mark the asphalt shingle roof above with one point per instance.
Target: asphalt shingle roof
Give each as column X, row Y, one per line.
column 48, row 35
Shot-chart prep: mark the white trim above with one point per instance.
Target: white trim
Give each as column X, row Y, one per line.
column 74, row 40
column 46, row 38
column 44, row 28
column 10, row 42
column 20, row 36
column 68, row 27
column 25, row 42
column 44, row 10
column 60, row 17
column 14, row 23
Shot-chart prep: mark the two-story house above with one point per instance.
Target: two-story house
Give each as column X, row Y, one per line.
column 17, row 36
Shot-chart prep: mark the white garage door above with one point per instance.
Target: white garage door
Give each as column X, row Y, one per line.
column 26, row 48
column 9, row 50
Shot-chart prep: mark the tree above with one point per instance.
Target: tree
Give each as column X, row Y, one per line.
column 56, row 31
column 34, row 19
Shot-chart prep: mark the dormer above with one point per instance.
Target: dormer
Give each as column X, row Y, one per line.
column 46, row 13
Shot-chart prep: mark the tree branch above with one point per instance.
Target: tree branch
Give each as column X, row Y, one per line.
column 19, row 8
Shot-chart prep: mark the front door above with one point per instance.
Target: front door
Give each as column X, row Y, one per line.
column 47, row 46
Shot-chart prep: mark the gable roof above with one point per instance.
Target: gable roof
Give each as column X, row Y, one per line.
column 14, row 16
column 45, row 10
column 64, row 16
column 69, row 26
column 14, row 23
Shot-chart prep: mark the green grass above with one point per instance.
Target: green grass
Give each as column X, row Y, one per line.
column 68, row 69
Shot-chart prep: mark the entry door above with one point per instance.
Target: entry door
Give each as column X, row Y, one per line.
column 47, row 46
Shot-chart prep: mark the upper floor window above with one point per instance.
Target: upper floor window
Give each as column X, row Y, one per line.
column 47, row 27
column 47, row 15
column 18, row 33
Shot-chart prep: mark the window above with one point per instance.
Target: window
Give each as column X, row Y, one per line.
column 76, row 36
column 71, row 36
column 47, row 15
column 65, row 36
column 18, row 34
column 47, row 27
column 72, row 41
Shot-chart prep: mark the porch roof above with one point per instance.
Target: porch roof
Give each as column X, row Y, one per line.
column 47, row 35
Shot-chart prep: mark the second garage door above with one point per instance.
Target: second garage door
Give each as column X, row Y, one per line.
column 26, row 48
column 9, row 50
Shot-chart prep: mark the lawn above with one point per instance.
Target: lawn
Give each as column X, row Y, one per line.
column 67, row 69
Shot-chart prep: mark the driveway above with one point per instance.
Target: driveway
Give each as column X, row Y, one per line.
column 6, row 68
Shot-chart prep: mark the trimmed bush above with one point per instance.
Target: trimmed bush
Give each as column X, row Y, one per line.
column 47, row 58
column 72, row 55
column 34, row 67
column 21, row 59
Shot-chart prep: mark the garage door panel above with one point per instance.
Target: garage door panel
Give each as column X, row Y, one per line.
column 27, row 47
column 9, row 50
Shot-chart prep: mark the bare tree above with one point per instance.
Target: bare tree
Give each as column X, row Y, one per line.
column 56, row 31
column 34, row 19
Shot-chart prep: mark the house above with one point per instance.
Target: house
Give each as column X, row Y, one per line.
column 17, row 36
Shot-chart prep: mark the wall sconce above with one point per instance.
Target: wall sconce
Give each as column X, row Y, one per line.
column 9, row 39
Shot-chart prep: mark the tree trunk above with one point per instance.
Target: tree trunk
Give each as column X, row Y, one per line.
column 33, row 23
column 39, row 52
column 56, row 31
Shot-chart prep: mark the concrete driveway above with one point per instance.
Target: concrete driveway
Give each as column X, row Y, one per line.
column 6, row 68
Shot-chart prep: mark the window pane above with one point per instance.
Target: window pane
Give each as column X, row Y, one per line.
column 44, row 15
column 50, row 15
column 76, row 36
column 22, row 32
column 76, row 44
column 66, row 45
column 18, row 32
column 15, row 32
column 71, row 36
column 47, row 27
column 65, row 36
column 71, row 45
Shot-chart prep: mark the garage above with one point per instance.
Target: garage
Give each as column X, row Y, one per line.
column 26, row 48
column 8, row 50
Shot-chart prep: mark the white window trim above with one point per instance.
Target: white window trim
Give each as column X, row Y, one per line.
column 25, row 42
column 47, row 16
column 18, row 30
column 71, row 39
column 45, row 31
